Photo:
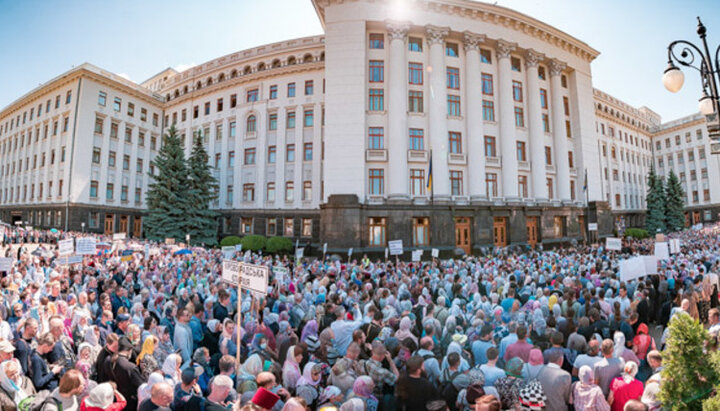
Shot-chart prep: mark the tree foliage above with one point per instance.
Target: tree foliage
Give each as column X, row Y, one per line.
column 202, row 188
column 655, row 216
column 674, row 203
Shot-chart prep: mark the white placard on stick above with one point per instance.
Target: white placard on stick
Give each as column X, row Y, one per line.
column 396, row 247
column 350, row 251
column 435, row 253
column 66, row 247
column 416, row 254
column 119, row 236
column 650, row 264
column 661, row 251
column 674, row 245
column 6, row 264
column 613, row 243
column 632, row 268
column 228, row 252
column 592, row 227
column 231, row 272
column 300, row 252
column 280, row 273
column 238, row 247
column 86, row 246
column 254, row 278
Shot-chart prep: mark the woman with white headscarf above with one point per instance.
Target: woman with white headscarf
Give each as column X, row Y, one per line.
column 14, row 386
column 171, row 369
column 625, row 387
column 588, row 396
column 621, row 351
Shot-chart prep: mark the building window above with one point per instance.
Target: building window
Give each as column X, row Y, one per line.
column 377, row 71
column 131, row 110
column 252, row 95
column 218, row 132
column 515, row 64
column 485, row 56
column 417, row 137
column 521, row 151
column 113, row 130
column 233, row 100
column 559, row 227
column 548, row 155
column 519, row 117
column 488, row 108
column 566, row 109
column 291, row 90
column 376, row 99
column 541, row 72
column 568, row 129
column 290, row 153
column 124, row 194
column 273, row 92
column 421, row 231
column 231, row 159
column 572, row 190
column 102, row 100
column 271, row 154
column 207, row 109
column 376, row 177
column 309, row 87
column 126, row 162
column 563, row 81
column 549, row 183
column 487, row 84
column 490, row 147
column 307, row 191
column 377, row 231
column 699, row 134
column 546, row 122
column 415, row 44
column 95, row 155
column 491, row 184
column 571, row 162
column 251, row 124
column 111, row 159
column 270, row 192
column 307, row 152
column 377, row 41
column 417, row 182
column 455, row 142
column 248, row 192
column 306, row 227
column 93, row 189
column 517, row 91
column 308, row 118
column 98, row 125
column 117, row 104
column 415, row 101
column 230, row 192
column 543, row 98
column 93, row 220
column 453, row 78
column 109, row 191
column 451, row 49
column 290, row 121
column 289, row 191
column 376, row 136
column 289, row 227
column 128, row 135
column 249, row 156
column 522, row 186
column 232, row 129
column 456, row 183
column 246, row 224
column 415, row 73
column 453, row 105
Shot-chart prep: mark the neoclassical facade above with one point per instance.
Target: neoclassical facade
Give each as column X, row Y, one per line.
column 449, row 124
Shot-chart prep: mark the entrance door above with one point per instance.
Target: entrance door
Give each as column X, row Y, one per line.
column 687, row 219
column 696, row 217
column 532, row 230
column 123, row 224
column 500, row 231
column 462, row 233
column 109, row 224
column 137, row 227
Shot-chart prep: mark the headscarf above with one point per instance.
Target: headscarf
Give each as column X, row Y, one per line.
column 619, row 339
column 102, row 396
column 12, row 387
column 629, row 371
column 329, row 392
column 291, row 369
column 586, row 375
column 148, row 348
column 90, row 337
column 311, row 328
column 170, row 367
column 353, row 404
column 404, row 331
column 293, row 405
column 536, row 357
column 363, row 387
column 514, row 367
column 252, row 366
column 307, row 378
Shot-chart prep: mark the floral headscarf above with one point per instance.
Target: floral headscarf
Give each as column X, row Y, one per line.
column 307, row 378
column 363, row 387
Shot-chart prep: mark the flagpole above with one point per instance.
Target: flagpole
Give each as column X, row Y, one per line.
column 587, row 207
column 432, row 182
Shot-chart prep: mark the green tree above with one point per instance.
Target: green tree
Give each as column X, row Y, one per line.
column 202, row 189
column 688, row 376
column 167, row 194
column 655, row 215
column 674, row 203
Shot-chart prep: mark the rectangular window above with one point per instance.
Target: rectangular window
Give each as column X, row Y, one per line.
column 308, row 87
column 308, row 118
column 109, row 191
column 548, row 155
column 93, row 189
column 252, row 95
column 272, row 152
column 376, row 99
column 485, row 56
column 415, row 101
column 288, row 227
column 491, row 184
column 571, row 160
column 521, row 156
column 519, row 117
column 699, row 134
column 291, row 90
column 515, row 64
column 218, row 132
column 233, row 100
column 219, row 105
column 455, row 142
column 376, row 137
column 563, row 81
column 417, row 137
column 376, row 180
column 273, row 92
column 566, row 106
column 490, row 147
column 306, row 227
column 421, row 231
column 522, row 186
column 96, row 155
column 248, row 193
column 124, row 194
column 377, row 71
column 138, row 196
column 102, row 99
column 415, row 44
column 376, row 231
column 453, row 78
column 231, row 159
column 111, row 159
column 98, row 125
column 568, row 129
column 272, row 122
column 415, row 73
column 289, row 191
column 230, row 193
column 456, row 183
column 549, row 183
column 307, row 152
column 290, row 153
column 307, row 191
column 417, row 182
column 290, row 121
column 517, row 91
column 377, row 41
column 453, row 105
column 270, row 193
column 249, row 156
column 207, row 108
column 131, row 110
column 117, row 104
column 487, row 84
column 488, row 110
column 541, row 72
column 128, row 135
column 126, row 162
column 143, row 114
column 451, row 49
column 543, row 98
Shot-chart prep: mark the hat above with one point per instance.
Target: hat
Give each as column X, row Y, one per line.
column 124, row 344
column 102, row 396
column 188, row 375
column 474, row 391
column 459, row 338
column 264, row 398
column 6, row 346
column 123, row 317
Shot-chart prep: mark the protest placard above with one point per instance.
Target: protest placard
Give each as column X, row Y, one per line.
column 66, row 247
column 228, row 252
column 86, row 246
column 435, row 253
column 6, row 264
column 612, row 243
column 254, row 277
column 661, row 251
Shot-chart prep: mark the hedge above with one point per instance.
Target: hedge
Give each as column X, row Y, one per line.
column 279, row 245
column 638, row 233
column 253, row 242
column 230, row 240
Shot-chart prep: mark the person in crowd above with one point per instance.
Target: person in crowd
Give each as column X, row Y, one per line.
column 586, row 395
column 104, row 397
column 625, row 387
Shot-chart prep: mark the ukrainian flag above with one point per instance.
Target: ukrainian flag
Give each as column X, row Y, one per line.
column 430, row 175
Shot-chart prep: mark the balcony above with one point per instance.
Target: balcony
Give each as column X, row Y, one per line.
column 493, row 161
column 376, row 155
column 549, row 168
column 524, row 165
column 457, row 158
column 417, row 156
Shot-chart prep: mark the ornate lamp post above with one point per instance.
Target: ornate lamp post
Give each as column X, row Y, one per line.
column 708, row 66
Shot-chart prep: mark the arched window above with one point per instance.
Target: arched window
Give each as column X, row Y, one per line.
column 308, row 58
column 177, row 93
column 251, row 124
column 167, row 97
column 208, row 81
column 233, row 74
column 261, row 66
column 247, row 70
column 322, row 56
column 276, row 63
column 291, row 60
column 198, row 86
column 221, row 77
column 185, row 89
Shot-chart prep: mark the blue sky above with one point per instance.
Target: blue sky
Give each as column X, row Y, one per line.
column 138, row 38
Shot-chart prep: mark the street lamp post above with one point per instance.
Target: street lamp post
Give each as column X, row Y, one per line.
column 708, row 66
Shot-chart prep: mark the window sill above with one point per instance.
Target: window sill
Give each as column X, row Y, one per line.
column 416, row 114
column 376, row 112
column 449, row 117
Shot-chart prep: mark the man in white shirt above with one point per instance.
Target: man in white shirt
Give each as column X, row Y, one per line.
column 588, row 359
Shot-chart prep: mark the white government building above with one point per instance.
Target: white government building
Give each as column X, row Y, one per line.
column 333, row 138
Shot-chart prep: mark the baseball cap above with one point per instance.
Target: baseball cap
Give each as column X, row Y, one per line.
column 6, row 346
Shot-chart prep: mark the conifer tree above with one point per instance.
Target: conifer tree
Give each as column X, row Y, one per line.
column 167, row 195
column 202, row 191
column 674, row 203
column 655, row 215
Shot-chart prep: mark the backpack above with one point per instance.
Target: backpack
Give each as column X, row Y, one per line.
column 447, row 389
column 532, row 394
column 38, row 401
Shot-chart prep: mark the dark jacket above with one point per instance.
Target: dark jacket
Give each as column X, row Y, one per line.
column 42, row 377
column 128, row 378
column 103, row 369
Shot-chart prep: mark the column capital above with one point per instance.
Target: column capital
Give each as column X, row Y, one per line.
column 504, row 48
column 472, row 41
column 556, row 67
column 532, row 58
column 435, row 34
column 397, row 30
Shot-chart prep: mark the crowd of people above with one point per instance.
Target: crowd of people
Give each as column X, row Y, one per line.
column 554, row 330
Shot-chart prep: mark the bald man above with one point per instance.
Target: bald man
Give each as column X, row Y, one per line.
column 161, row 396
column 589, row 359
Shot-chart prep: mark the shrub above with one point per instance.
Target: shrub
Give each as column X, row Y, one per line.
column 638, row 233
column 230, row 240
column 279, row 245
column 253, row 242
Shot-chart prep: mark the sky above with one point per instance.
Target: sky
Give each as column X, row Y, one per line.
column 139, row 38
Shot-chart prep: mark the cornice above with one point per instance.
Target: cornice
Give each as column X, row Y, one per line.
column 675, row 128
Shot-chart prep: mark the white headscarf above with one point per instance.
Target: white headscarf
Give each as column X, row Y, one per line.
column 12, row 386
column 145, row 389
column 169, row 368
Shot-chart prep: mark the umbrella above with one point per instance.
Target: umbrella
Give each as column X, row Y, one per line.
column 53, row 230
column 183, row 251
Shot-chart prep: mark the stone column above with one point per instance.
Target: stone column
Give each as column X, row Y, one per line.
column 438, row 112
column 562, row 169
column 397, row 136
column 474, row 117
column 507, row 122
column 536, row 131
